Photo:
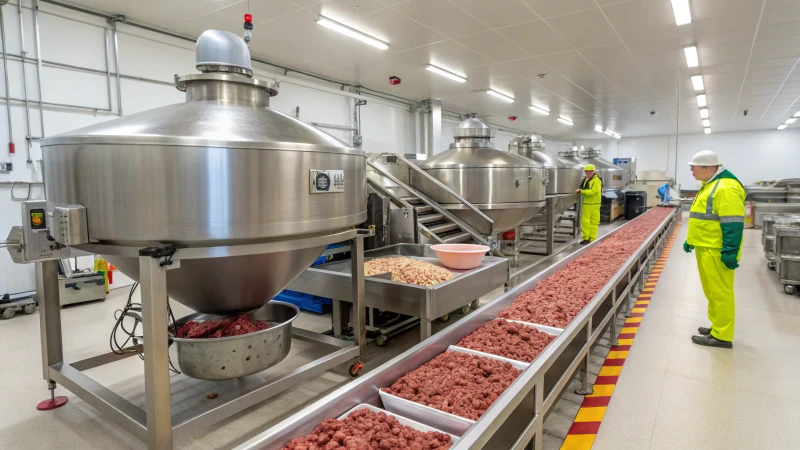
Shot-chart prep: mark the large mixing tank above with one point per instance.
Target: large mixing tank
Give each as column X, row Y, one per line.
column 614, row 177
column 563, row 175
column 507, row 188
column 221, row 168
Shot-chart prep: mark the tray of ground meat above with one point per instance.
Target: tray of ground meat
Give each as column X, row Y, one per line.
column 367, row 427
column 408, row 270
column 229, row 326
column 451, row 391
column 517, row 364
column 511, row 340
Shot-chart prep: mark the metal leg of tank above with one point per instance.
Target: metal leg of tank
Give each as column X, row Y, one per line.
column 49, row 315
column 336, row 317
column 155, row 325
column 551, row 225
column 359, row 292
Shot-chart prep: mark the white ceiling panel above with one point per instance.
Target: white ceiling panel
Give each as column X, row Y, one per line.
column 345, row 10
column 211, row 5
column 568, row 63
column 584, row 29
column 454, row 57
column 536, row 37
column 494, row 46
column 778, row 16
column 497, row 13
column 262, row 10
column 550, row 8
column 714, row 9
column 443, row 16
column 643, row 21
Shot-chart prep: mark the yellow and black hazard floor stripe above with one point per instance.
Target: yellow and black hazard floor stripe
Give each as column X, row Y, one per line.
column 587, row 422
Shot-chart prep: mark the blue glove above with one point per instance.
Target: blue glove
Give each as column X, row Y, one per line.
column 730, row 262
column 688, row 248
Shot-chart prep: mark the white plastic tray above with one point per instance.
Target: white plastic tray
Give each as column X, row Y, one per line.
column 549, row 330
column 403, row 421
column 448, row 423
column 517, row 364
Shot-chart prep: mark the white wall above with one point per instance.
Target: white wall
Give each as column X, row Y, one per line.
column 75, row 38
column 750, row 155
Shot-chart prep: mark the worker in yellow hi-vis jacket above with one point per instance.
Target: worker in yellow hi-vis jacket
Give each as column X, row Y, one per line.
column 716, row 232
column 592, row 191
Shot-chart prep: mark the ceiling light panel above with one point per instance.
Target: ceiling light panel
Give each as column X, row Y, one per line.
column 797, row 114
column 706, row 123
column 501, row 96
column 598, row 128
column 352, row 32
column 542, row 111
column 707, row 130
column 701, row 100
column 691, row 56
column 697, row 82
column 445, row 73
column 781, row 127
column 565, row 121
column 790, row 121
column 683, row 15
column 704, row 113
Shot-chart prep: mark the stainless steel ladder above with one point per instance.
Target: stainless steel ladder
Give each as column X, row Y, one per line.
column 437, row 224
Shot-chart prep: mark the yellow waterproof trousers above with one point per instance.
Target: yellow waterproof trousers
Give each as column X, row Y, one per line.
column 717, row 283
column 590, row 220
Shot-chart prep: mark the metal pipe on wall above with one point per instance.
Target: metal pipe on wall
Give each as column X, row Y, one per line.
column 116, row 65
column 8, row 89
column 36, row 41
column 25, row 83
column 108, row 68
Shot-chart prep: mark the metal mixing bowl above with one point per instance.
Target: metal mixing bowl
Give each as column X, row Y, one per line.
column 233, row 357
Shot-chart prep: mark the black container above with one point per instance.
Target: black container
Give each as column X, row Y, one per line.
column 635, row 204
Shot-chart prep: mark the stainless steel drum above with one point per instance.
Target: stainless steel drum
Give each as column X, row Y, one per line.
column 614, row 177
column 563, row 175
column 766, row 194
column 221, row 168
column 506, row 187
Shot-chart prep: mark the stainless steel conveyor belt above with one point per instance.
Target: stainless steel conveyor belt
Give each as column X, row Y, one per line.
column 515, row 420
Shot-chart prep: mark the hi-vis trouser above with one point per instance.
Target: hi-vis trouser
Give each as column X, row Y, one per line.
column 590, row 221
column 717, row 281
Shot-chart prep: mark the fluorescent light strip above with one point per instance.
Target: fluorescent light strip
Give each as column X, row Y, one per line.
column 697, row 82
column 790, row 121
column 707, row 130
column 598, row 128
column 445, row 73
column 797, row 114
column 565, row 121
column 706, row 123
column 616, row 136
column 539, row 110
column 691, row 56
column 683, row 15
column 781, row 127
column 353, row 33
column 503, row 97
column 701, row 100
column 704, row 113
column 608, row 132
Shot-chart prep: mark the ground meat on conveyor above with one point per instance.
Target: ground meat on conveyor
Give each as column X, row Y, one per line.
column 367, row 430
column 559, row 298
column 408, row 270
column 508, row 339
column 457, row 383
column 229, row 326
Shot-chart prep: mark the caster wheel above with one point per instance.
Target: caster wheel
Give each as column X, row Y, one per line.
column 789, row 289
column 445, row 318
column 465, row 309
column 771, row 265
column 381, row 341
column 9, row 313
column 475, row 304
column 355, row 369
column 29, row 309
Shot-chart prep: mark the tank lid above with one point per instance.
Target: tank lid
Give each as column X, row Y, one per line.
column 470, row 157
column 222, row 51
column 473, row 127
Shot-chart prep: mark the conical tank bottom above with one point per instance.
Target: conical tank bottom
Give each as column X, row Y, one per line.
column 232, row 284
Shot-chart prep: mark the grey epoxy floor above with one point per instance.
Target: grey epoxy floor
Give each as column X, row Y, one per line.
column 86, row 331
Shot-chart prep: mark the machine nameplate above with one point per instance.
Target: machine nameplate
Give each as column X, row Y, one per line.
column 326, row 181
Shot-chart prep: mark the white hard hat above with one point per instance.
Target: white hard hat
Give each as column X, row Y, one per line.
column 705, row 158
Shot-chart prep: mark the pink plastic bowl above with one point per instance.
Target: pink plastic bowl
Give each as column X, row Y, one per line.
column 460, row 256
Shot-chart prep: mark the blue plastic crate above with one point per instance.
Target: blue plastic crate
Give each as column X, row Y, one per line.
column 306, row 302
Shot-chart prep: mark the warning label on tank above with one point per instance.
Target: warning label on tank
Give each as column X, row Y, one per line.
column 326, row 181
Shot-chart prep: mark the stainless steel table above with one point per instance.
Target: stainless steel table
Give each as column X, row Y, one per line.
column 428, row 303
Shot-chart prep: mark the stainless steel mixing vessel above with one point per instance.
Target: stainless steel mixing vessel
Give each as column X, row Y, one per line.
column 564, row 176
column 220, row 169
column 508, row 188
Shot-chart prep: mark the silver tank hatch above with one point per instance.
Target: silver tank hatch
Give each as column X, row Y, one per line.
column 564, row 176
column 221, row 168
column 506, row 187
